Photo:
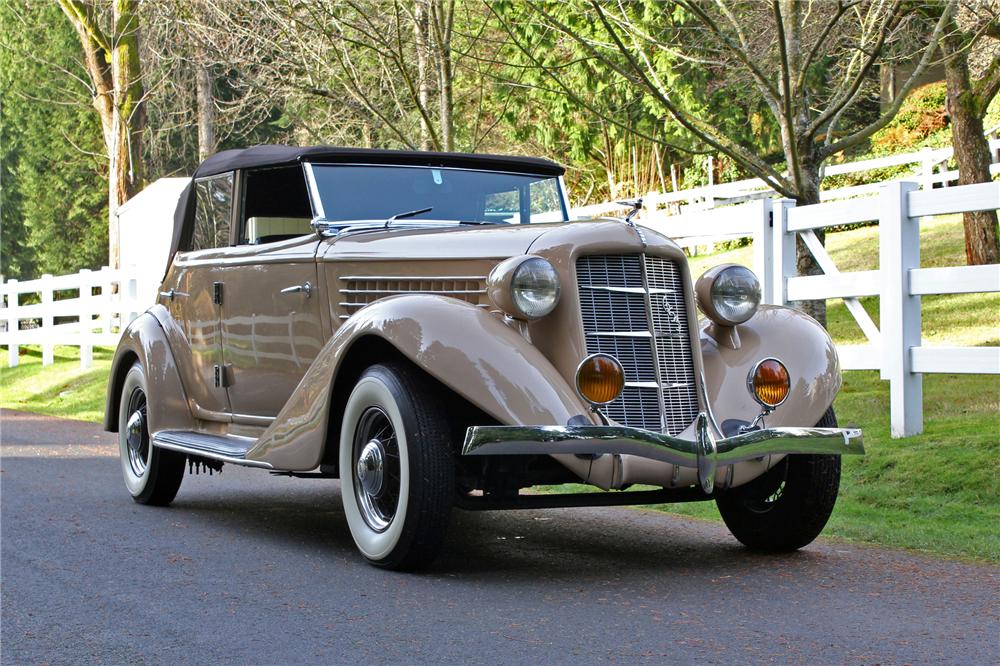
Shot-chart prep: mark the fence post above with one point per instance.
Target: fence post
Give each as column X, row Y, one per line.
column 783, row 250
column 106, row 295
column 86, row 319
column 763, row 250
column 709, row 199
column 899, row 252
column 47, row 320
column 927, row 170
column 13, row 324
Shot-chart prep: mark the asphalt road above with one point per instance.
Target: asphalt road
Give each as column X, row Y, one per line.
column 254, row 569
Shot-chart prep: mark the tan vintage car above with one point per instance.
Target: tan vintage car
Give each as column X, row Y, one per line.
column 433, row 330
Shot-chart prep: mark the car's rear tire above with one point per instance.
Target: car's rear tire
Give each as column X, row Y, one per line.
column 152, row 475
column 397, row 471
column 788, row 506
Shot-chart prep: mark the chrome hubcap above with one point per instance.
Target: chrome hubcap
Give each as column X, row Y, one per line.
column 371, row 466
column 376, row 469
column 137, row 434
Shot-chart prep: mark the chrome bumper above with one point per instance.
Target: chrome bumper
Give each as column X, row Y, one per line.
column 704, row 452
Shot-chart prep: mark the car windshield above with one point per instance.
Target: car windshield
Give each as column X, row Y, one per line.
column 351, row 192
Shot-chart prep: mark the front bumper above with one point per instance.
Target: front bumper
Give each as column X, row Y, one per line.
column 705, row 453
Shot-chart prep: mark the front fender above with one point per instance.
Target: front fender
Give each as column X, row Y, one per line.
column 167, row 407
column 791, row 336
column 464, row 347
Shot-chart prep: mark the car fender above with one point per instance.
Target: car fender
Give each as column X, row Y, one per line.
column 167, row 405
column 791, row 336
column 466, row 348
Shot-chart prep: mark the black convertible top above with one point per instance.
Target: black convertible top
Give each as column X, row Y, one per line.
column 270, row 155
column 275, row 155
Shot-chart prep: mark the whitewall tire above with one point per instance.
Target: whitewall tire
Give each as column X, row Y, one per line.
column 396, row 467
column 152, row 475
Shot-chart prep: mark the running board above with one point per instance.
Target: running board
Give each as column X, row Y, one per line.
column 225, row 448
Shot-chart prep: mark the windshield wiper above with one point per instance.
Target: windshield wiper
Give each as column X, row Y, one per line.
column 409, row 213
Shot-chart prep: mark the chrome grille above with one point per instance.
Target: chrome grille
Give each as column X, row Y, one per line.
column 633, row 308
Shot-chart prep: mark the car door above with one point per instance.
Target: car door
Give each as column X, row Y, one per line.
column 192, row 297
column 271, row 326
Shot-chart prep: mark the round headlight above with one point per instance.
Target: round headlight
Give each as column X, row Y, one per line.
column 728, row 294
column 534, row 287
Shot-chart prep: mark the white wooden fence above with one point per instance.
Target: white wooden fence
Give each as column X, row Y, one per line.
column 100, row 303
column 929, row 168
column 894, row 344
column 84, row 309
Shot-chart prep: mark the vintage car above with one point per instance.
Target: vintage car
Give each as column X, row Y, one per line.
column 436, row 332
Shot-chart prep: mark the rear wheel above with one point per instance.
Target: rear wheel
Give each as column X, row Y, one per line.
column 787, row 507
column 396, row 468
column 152, row 475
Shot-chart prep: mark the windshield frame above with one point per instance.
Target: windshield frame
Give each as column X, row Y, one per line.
column 320, row 220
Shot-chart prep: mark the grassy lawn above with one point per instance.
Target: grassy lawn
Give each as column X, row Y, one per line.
column 60, row 389
column 938, row 492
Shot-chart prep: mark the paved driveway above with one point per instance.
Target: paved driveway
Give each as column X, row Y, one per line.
column 250, row 568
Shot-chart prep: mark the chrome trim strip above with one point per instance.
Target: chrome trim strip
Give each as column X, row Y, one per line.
column 412, row 291
column 628, row 290
column 704, row 453
column 422, row 278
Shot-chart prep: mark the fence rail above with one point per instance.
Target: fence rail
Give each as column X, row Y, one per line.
column 104, row 301
column 84, row 310
column 894, row 346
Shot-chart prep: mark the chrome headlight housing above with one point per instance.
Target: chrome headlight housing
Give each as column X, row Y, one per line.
column 524, row 287
column 728, row 294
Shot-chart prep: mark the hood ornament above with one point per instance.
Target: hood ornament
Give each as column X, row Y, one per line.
column 635, row 205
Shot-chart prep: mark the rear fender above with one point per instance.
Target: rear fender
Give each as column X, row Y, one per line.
column 167, row 406
column 467, row 349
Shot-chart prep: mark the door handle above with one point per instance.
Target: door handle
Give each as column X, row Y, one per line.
column 172, row 294
column 299, row 289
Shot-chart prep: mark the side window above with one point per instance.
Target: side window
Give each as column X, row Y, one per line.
column 503, row 207
column 212, row 212
column 275, row 205
column 546, row 204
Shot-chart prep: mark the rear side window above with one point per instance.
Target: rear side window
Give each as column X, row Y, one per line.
column 213, row 211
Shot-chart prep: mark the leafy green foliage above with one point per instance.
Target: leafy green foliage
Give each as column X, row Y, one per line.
column 54, row 211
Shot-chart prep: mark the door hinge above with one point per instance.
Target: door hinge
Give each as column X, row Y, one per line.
column 222, row 376
column 217, row 293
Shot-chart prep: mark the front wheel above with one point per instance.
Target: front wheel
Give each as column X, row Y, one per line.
column 152, row 475
column 787, row 507
column 396, row 468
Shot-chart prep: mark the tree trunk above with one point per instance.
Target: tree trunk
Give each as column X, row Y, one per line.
column 206, row 113
column 805, row 263
column 118, row 98
column 972, row 153
column 125, row 152
column 442, row 12
column 421, row 30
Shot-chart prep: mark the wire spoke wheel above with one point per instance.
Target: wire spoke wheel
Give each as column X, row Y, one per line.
column 376, row 468
column 137, row 432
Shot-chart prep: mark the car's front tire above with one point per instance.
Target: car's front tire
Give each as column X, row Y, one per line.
column 788, row 506
column 152, row 475
column 396, row 465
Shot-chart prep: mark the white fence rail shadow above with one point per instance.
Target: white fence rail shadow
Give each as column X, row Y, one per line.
column 84, row 310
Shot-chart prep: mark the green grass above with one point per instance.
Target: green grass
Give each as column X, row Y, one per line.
column 938, row 492
column 60, row 389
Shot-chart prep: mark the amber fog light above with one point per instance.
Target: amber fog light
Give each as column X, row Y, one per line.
column 600, row 379
column 768, row 382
